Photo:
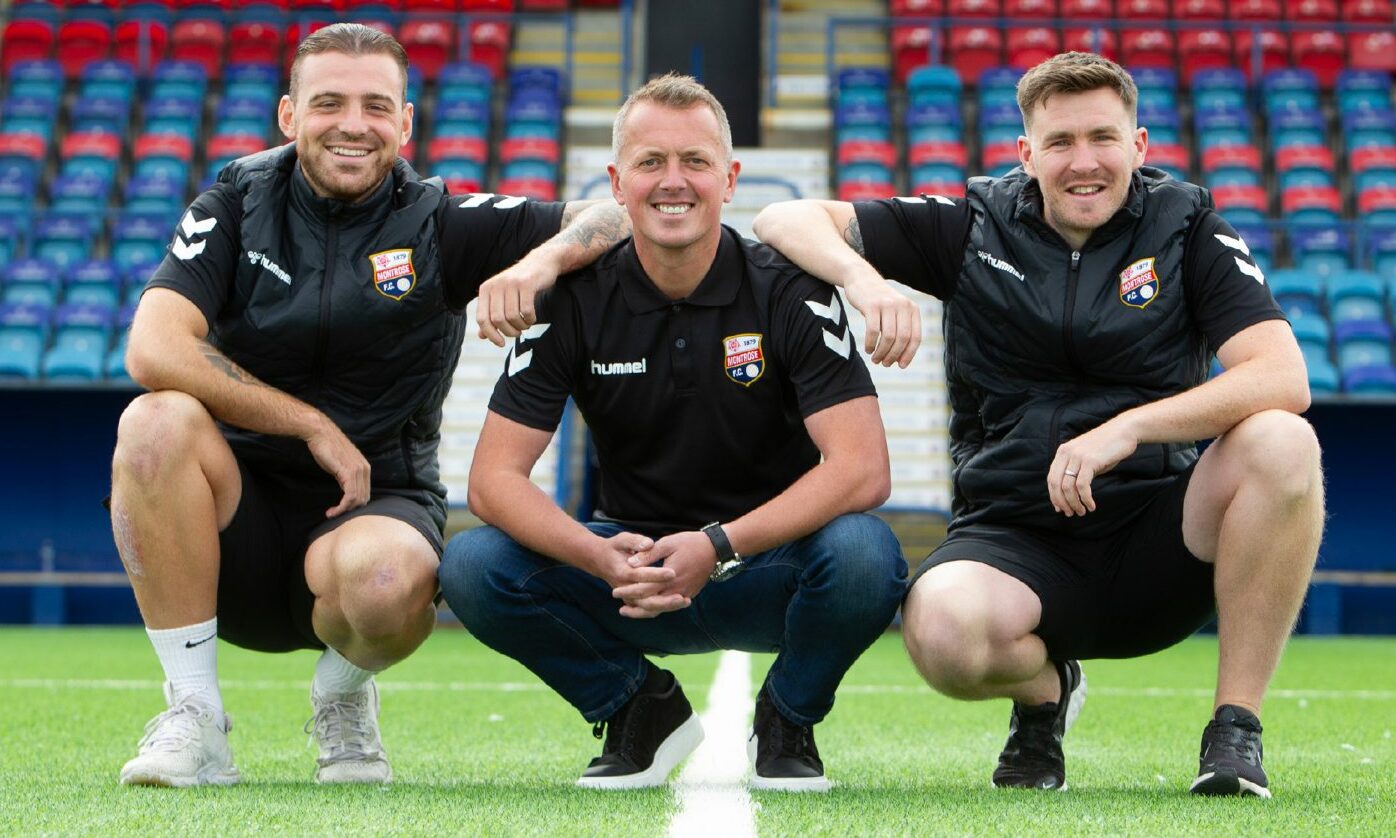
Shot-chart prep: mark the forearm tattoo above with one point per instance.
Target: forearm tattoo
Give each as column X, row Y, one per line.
column 853, row 235
column 600, row 226
column 223, row 364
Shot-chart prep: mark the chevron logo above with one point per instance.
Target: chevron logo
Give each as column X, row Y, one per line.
column 840, row 343
column 520, row 358
column 186, row 250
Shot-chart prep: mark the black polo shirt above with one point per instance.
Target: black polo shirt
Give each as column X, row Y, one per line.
column 697, row 405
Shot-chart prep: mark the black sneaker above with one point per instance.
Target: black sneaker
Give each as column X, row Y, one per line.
column 1231, row 755
column 784, row 753
column 646, row 738
column 1032, row 757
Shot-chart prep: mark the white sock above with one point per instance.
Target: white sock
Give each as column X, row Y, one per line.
column 189, row 656
column 335, row 674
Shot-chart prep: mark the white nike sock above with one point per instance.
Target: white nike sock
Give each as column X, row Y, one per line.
column 335, row 674
column 189, row 656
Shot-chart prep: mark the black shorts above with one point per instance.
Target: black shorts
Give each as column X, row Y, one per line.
column 264, row 602
column 1127, row 595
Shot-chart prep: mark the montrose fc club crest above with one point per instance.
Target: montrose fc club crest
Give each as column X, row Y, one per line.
column 393, row 274
column 1139, row 284
column 743, row 359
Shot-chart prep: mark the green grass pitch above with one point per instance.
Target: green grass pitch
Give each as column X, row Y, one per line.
column 480, row 748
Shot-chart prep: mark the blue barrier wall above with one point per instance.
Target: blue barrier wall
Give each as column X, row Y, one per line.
column 55, row 458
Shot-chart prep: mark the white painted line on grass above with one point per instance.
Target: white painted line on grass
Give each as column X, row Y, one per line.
column 389, row 685
column 711, row 789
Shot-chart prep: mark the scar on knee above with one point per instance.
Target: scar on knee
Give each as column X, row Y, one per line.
column 127, row 545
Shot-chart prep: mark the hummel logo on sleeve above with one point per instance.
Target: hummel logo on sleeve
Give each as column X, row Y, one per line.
column 939, row 199
column 190, row 228
column 839, row 343
column 1252, row 271
column 479, row 199
column 1235, row 244
column 520, row 358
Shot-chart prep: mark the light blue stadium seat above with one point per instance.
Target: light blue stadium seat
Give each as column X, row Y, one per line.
column 31, row 281
column 864, row 172
column 24, row 330
column 140, row 239
column 64, row 239
column 934, row 83
column 529, row 169
column 1362, row 343
column 1378, row 380
column 1323, row 378
column 38, row 78
column 80, row 339
column 1298, row 292
column 1356, row 295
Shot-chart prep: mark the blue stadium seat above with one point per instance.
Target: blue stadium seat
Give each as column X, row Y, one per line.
column 461, row 74
column 109, row 78
column 1362, row 343
column 1299, row 293
column 1218, row 78
column 1320, row 249
column 1377, row 380
column 877, row 115
column 530, row 169
column 1356, row 295
column 934, row 123
column 179, row 115
column 1224, row 126
column 458, row 117
column 36, row 78
column 81, row 194
column 64, row 239
column 535, row 78
column 140, row 238
column 115, row 366
column 1381, row 246
column 1369, row 127
column 154, row 194
column 106, row 113
column 1323, row 378
column 253, row 80
column 32, row 282
column 933, row 84
column 11, row 238
column 1261, row 242
column 243, row 115
column 24, row 329
column 179, row 77
column 18, row 188
column 29, row 114
column 80, row 339
column 1311, row 329
column 999, row 78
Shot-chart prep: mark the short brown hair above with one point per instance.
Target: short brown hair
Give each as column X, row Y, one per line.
column 1075, row 72
column 672, row 90
column 349, row 39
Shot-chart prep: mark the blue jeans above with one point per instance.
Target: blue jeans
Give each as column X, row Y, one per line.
column 819, row 602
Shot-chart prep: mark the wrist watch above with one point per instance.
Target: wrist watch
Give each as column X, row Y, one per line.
column 729, row 564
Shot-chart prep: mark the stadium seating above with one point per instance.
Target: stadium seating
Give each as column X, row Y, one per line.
column 24, row 330
column 82, row 332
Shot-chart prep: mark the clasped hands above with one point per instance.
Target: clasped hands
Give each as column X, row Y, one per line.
column 631, row 565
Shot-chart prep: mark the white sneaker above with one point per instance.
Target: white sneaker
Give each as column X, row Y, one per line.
column 187, row 745
column 345, row 726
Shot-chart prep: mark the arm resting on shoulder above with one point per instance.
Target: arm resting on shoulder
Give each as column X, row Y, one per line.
column 824, row 239
column 589, row 229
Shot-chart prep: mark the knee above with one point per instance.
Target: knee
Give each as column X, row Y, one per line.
column 863, row 554
column 471, row 572
column 1279, row 451
column 949, row 639
column 157, row 432
column 382, row 590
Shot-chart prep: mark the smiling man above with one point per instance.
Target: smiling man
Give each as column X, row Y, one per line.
column 738, row 437
column 278, row 487
column 1084, row 295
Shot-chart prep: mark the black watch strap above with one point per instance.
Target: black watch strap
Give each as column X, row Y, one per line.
column 715, row 534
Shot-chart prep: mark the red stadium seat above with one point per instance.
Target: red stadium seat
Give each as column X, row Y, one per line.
column 141, row 43
column 457, row 148
column 202, row 41
column 1147, row 48
column 90, row 144
column 430, row 44
column 1020, row 10
column 1306, row 157
column 1096, row 11
column 489, row 45
column 1377, row 12
column 295, row 32
column 1202, row 49
column 998, row 154
column 973, row 8
column 866, row 151
column 539, row 189
column 1199, row 9
column 1229, row 157
column 218, row 7
column 487, row 5
column 943, row 151
column 544, row 5
column 1091, row 39
column 232, row 146
column 1274, row 52
column 442, row 6
column 26, row 40
column 1325, row 53
column 547, row 150
column 1142, row 9
column 1031, row 46
column 1376, row 198
column 1372, row 50
column 1256, row 10
column 1297, row 198
column 917, row 8
column 974, row 49
column 862, row 190
column 256, row 42
column 1240, row 197
column 29, row 146
column 1314, row 11
column 1171, row 155
column 168, row 145
column 80, row 42
column 910, row 49
column 1372, row 157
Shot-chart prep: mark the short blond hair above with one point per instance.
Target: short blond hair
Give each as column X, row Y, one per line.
column 1075, row 72
column 672, row 90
